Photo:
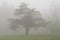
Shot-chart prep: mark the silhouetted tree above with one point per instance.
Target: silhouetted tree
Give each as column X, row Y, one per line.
column 28, row 18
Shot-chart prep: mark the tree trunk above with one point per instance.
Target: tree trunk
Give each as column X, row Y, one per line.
column 27, row 30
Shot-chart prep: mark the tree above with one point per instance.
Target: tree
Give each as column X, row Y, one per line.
column 28, row 18
column 55, row 13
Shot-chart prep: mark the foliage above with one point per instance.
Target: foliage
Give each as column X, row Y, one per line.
column 28, row 18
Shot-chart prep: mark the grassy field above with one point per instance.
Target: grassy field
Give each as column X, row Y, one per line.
column 31, row 37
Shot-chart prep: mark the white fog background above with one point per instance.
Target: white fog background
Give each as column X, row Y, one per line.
column 7, row 8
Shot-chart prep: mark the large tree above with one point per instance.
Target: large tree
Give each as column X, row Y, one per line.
column 28, row 18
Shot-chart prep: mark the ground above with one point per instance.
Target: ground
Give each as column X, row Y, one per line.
column 31, row 37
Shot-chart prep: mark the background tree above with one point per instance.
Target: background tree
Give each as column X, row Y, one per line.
column 28, row 18
column 55, row 16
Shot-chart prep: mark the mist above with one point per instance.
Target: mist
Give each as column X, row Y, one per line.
column 45, row 7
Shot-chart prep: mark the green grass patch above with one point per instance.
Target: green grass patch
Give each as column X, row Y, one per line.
column 31, row 37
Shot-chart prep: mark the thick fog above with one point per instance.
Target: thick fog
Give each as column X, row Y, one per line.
column 45, row 7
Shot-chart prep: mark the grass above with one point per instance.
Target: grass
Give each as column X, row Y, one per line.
column 31, row 37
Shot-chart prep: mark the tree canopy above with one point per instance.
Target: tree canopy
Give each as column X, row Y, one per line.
column 28, row 18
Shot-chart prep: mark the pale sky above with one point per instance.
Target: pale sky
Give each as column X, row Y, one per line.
column 38, row 4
